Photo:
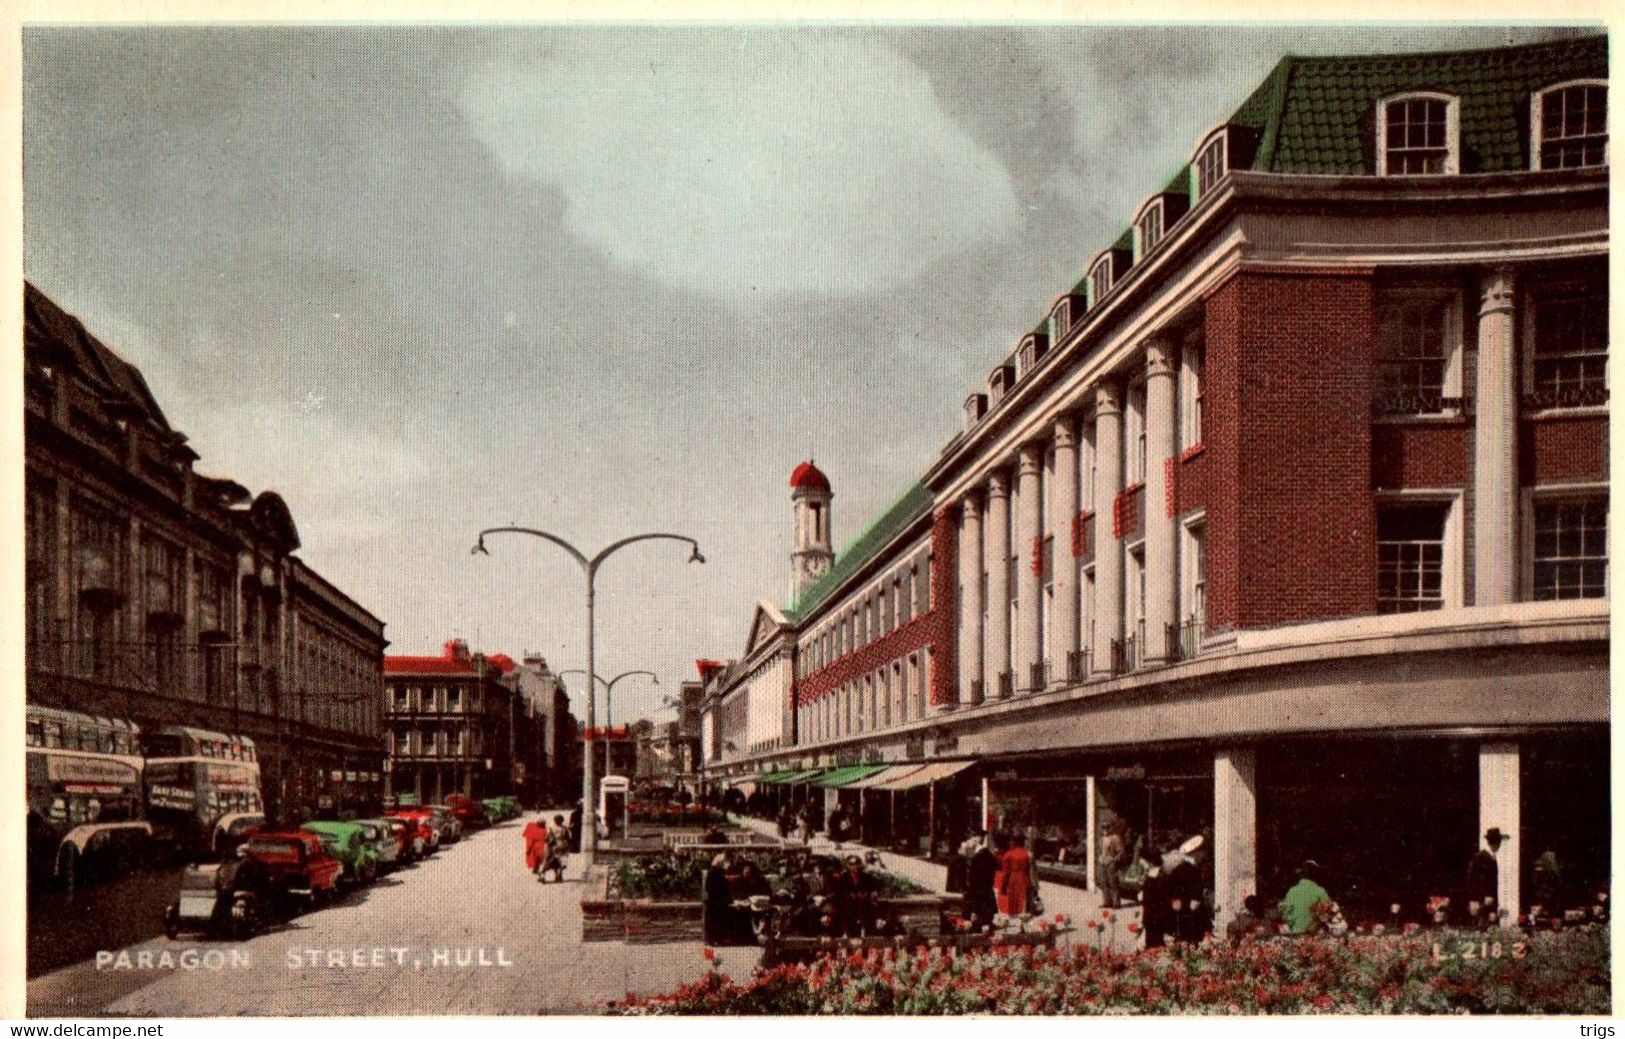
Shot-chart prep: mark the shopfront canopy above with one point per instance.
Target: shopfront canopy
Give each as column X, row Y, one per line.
column 889, row 774
column 850, row 774
column 798, row 776
column 926, row 775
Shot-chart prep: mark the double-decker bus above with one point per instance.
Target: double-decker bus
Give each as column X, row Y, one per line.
column 203, row 789
column 84, row 795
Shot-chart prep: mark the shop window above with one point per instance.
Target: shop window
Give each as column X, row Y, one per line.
column 1569, row 124
column 1567, row 336
column 1410, row 557
column 1418, row 134
column 1571, row 549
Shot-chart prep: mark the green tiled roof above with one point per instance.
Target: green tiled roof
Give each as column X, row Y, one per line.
column 914, row 503
column 1317, row 116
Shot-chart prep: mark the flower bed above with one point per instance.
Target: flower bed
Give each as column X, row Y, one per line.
column 1421, row 973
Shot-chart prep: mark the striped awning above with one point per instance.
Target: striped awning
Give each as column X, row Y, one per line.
column 886, row 775
column 850, row 774
column 800, row 776
column 926, row 775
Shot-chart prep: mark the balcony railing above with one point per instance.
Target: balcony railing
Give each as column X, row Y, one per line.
column 1578, row 397
column 1400, row 403
column 1038, row 675
column 1077, row 665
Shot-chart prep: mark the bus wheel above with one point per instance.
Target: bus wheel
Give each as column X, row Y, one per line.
column 67, row 867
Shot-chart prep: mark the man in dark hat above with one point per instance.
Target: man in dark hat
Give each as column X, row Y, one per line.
column 1484, row 879
column 981, row 902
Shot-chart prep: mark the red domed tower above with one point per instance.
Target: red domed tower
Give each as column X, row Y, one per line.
column 812, row 556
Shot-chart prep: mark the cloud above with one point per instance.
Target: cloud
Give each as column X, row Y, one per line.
column 744, row 163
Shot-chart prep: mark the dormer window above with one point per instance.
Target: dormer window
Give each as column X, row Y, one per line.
column 1100, row 280
column 1569, row 126
column 1148, row 230
column 1211, row 164
column 1418, row 134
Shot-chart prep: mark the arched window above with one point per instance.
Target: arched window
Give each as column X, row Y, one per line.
column 1418, row 133
column 1568, row 125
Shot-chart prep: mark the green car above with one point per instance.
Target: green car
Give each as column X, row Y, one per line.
column 502, row 807
column 348, row 842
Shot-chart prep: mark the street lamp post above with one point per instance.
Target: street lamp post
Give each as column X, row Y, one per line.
column 609, row 708
column 589, row 570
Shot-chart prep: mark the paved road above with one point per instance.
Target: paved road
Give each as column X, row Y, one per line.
column 466, row 932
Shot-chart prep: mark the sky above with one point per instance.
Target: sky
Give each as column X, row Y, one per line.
column 596, row 280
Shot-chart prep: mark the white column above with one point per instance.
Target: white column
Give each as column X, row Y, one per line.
column 998, row 582
column 1161, row 443
column 970, row 605
column 1063, row 626
column 1495, row 446
column 1499, row 808
column 1108, row 548
column 1235, row 831
column 1029, row 587
column 1091, row 826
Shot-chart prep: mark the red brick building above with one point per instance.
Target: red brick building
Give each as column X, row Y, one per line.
column 1286, row 525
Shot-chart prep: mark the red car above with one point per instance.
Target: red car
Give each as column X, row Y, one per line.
column 301, row 868
column 468, row 811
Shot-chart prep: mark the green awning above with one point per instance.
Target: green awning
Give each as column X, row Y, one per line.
column 796, row 776
column 849, row 774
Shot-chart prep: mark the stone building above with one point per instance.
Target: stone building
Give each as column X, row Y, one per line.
column 160, row 595
column 1285, row 525
column 448, row 721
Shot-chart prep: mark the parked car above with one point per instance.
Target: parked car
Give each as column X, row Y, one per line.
column 303, row 871
column 226, row 899
column 502, row 807
column 385, row 840
column 429, row 825
column 468, row 811
column 451, row 824
column 411, row 835
column 349, row 844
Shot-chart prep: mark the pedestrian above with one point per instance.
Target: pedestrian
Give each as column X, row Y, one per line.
column 1016, row 877
column 1484, row 881
column 535, row 836
column 981, row 897
column 839, row 824
column 558, row 848
column 575, row 827
column 1546, row 887
column 1297, row 906
column 1191, row 915
column 1108, row 867
column 1156, row 907
column 717, row 907
column 1249, row 923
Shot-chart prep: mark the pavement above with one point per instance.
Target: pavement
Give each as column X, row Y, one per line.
column 467, row 932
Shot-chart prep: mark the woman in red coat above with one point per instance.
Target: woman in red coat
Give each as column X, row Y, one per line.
column 1015, row 877
column 535, row 835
